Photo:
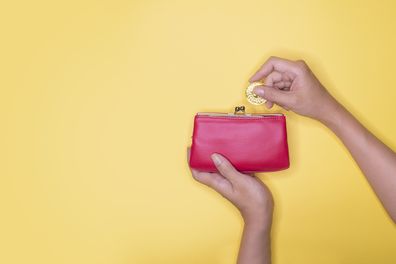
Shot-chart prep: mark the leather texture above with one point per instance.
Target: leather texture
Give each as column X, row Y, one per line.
column 251, row 144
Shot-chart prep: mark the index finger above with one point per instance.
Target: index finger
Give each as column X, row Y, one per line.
column 275, row 64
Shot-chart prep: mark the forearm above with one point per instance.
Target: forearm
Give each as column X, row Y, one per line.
column 375, row 159
column 255, row 245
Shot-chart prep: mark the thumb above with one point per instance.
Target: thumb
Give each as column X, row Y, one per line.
column 225, row 167
column 282, row 98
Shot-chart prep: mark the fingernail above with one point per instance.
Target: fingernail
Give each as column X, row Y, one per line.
column 259, row 91
column 216, row 159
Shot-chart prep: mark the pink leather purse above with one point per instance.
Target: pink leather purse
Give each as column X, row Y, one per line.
column 251, row 142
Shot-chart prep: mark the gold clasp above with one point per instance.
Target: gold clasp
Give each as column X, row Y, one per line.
column 239, row 110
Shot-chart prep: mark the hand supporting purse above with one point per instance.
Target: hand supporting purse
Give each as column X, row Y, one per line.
column 251, row 142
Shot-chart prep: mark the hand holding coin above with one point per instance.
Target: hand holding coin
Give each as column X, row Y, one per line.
column 275, row 80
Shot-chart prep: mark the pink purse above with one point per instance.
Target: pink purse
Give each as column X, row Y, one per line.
column 251, row 142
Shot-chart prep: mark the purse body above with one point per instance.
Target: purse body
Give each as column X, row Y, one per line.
column 252, row 143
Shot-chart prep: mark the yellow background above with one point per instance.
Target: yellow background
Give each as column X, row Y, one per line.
column 97, row 101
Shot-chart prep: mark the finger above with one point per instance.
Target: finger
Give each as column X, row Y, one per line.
column 282, row 84
column 215, row 181
column 287, row 77
column 283, row 98
column 269, row 104
column 279, row 80
column 275, row 64
column 272, row 78
column 225, row 168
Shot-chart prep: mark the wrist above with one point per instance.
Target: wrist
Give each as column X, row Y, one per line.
column 258, row 223
column 260, row 229
column 330, row 113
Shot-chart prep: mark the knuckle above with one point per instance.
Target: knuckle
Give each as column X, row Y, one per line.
column 221, row 185
column 227, row 169
column 271, row 59
column 301, row 62
column 195, row 176
column 302, row 65
column 217, row 183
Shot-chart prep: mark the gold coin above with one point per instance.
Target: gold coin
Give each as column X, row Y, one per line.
column 252, row 97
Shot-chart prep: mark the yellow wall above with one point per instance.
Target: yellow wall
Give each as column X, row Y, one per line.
column 96, row 107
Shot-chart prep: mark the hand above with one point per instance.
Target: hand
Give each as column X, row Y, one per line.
column 246, row 192
column 292, row 85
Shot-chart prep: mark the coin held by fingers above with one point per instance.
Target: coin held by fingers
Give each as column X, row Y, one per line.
column 253, row 98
